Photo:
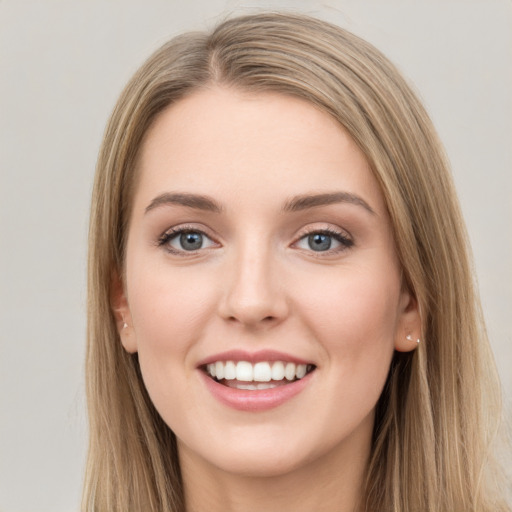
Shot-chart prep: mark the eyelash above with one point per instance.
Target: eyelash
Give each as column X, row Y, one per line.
column 345, row 241
column 173, row 233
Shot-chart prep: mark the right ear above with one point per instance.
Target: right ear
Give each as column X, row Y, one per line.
column 122, row 314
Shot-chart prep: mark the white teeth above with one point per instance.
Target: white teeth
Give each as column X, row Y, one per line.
column 278, row 371
column 252, row 386
column 219, row 370
column 230, row 370
column 244, row 371
column 263, row 371
column 300, row 371
column 289, row 371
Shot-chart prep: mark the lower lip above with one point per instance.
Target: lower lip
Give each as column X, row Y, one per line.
column 258, row 399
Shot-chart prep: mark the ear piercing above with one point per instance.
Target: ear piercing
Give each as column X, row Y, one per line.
column 125, row 325
column 409, row 338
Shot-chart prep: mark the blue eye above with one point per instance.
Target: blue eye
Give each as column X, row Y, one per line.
column 319, row 242
column 190, row 241
column 185, row 240
column 324, row 241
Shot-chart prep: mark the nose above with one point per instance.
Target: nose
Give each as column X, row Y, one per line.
column 253, row 294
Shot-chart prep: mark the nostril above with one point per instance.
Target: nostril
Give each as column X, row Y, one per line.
column 252, row 320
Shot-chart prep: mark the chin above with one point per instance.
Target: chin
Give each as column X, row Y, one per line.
column 259, row 454
column 260, row 463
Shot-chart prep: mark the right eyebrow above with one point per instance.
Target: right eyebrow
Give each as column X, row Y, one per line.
column 195, row 201
column 304, row 202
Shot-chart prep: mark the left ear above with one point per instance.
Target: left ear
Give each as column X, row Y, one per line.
column 121, row 309
column 409, row 325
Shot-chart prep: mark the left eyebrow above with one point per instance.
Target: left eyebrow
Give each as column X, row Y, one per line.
column 195, row 201
column 304, row 202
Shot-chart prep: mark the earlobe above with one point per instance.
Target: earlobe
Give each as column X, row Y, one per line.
column 121, row 310
column 408, row 333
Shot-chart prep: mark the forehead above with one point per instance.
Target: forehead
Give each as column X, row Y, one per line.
column 227, row 142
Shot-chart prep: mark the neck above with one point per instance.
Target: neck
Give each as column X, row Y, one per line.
column 331, row 483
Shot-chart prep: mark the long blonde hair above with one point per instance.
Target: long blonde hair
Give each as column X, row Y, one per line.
column 440, row 408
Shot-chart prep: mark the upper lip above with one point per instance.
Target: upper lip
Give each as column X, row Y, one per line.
column 253, row 357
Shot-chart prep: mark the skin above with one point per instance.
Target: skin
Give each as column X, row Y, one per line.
column 256, row 284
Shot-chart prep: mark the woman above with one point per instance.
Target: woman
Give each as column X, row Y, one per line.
column 281, row 312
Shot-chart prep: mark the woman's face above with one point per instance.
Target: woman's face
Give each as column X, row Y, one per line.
column 259, row 249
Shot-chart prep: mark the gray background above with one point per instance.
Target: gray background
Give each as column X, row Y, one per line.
column 62, row 66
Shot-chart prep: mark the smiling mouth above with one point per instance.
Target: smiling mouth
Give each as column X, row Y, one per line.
column 262, row 375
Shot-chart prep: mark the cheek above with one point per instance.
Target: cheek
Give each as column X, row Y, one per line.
column 168, row 307
column 169, row 312
column 354, row 317
column 354, row 307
